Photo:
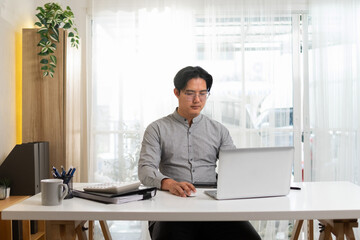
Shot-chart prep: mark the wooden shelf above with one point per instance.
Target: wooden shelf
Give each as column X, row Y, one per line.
column 6, row 225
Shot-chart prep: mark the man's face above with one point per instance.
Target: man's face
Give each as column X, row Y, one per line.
column 192, row 98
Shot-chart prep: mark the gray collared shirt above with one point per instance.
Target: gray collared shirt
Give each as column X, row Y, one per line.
column 172, row 149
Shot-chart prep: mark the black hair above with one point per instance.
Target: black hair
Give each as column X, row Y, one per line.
column 188, row 73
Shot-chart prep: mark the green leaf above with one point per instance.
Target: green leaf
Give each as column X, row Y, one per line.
column 43, row 30
column 48, row 5
column 44, row 61
column 40, row 16
column 45, row 73
column 55, row 31
column 53, row 59
column 40, row 9
column 43, row 42
column 44, row 49
column 67, row 14
column 51, row 74
column 53, row 65
column 59, row 12
column 44, row 67
column 54, row 37
column 71, row 34
column 38, row 24
column 43, row 54
column 52, row 69
column 67, row 26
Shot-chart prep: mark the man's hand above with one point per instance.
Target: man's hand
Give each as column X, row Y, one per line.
column 177, row 188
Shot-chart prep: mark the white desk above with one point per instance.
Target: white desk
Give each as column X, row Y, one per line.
column 315, row 200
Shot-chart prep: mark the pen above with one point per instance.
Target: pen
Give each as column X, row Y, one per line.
column 56, row 172
column 72, row 172
column 68, row 173
column 295, row 188
column 62, row 171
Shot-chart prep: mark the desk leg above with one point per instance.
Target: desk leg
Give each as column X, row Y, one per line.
column 349, row 232
column 91, row 230
column 296, row 230
column 105, row 230
column 340, row 228
column 79, row 230
column 310, row 229
column 326, row 234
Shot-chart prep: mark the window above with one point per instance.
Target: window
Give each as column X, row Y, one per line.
column 137, row 50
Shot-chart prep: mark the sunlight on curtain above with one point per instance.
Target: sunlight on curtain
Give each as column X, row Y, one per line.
column 335, row 90
column 137, row 48
column 73, row 93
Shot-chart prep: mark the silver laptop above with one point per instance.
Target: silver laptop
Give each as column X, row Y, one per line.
column 253, row 172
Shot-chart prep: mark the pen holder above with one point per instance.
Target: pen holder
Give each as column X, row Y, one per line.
column 68, row 181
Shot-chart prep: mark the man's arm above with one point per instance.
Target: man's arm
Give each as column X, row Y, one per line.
column 149, row 160
column 148, row 166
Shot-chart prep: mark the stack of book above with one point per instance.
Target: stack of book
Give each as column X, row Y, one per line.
column 116, row 193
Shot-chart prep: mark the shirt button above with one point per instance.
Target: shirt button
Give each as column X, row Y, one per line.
column 191, row 159
column 193, row 170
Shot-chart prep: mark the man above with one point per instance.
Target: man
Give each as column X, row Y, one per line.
column 181, row 149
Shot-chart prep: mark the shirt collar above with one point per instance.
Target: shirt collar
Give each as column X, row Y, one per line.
column 184, row 120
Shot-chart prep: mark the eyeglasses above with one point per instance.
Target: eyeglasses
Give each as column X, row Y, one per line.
column 191, row 95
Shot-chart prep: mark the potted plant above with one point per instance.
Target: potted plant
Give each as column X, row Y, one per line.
column 6, row 183
column 51, row 18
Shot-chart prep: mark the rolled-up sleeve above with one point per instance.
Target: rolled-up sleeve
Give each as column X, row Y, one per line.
column 150, row 156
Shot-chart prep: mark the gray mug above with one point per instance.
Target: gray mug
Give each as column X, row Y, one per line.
column 53, row 191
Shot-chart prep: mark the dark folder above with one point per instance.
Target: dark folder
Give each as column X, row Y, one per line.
column 131, row 196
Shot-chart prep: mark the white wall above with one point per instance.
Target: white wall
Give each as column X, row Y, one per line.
column 14, row 15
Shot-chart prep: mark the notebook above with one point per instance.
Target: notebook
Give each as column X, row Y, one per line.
column 112, row 187
column 253, row 172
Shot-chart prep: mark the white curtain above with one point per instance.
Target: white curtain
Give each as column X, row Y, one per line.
column 334, row 61
column 137, row 48
column 334, row 90
column 73, row 109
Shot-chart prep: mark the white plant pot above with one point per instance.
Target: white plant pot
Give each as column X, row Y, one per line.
column 7, row 192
